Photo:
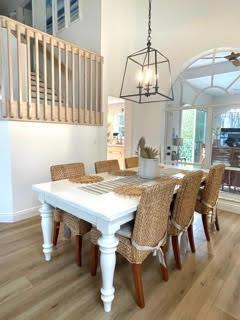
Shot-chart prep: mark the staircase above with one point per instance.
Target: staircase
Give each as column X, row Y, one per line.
column 65, row 86
column 41, row 90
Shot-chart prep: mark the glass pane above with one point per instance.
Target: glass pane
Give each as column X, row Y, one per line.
column 49, row 18
column 193, row 133
column 226, row 145
column 60, row 14
column 74, row 10
column 200, row 136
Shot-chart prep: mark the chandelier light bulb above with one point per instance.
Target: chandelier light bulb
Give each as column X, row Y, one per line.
column 148, row 77
column 140, row 77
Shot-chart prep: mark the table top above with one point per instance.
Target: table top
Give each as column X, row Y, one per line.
column 108, row 206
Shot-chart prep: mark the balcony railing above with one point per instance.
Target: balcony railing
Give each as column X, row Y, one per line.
column 44, row 78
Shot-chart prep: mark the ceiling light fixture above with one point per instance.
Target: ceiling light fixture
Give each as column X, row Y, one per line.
column 145, row 74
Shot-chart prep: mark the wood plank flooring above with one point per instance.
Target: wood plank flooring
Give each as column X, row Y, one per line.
column 208, row 287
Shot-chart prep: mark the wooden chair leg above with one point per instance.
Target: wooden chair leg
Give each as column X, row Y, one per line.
column 205, row 226
column 78, row 248
column 191, row 238
column 164, row 270
column 176, row 252
column 94, row 259
column 56, row 228
column 137, row 276
column 217, row 223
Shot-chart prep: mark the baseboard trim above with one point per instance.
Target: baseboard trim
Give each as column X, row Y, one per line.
column 229, row 205
column 12, row 217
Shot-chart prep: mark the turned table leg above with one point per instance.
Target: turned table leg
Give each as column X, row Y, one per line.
column 108, row 245
column 47, row 225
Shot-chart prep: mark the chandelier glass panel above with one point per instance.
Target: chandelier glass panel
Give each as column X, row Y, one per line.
column 147, row 74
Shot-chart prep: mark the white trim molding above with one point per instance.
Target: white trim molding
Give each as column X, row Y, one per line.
column 11, row 217
column 229, row 202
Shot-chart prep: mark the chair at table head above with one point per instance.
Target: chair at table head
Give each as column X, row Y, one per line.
column 185, row 202
column 210, row 193
column 77, row 226
column 131, row 162
column 67, row 171
column 106, row 166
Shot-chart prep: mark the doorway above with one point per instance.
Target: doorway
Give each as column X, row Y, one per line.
column 116, row 126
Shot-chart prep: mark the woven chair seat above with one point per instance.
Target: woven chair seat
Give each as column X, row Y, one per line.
column 172, row 231
column 201, row 208
column 58, row 215
column 125, row 247
column 76, row 225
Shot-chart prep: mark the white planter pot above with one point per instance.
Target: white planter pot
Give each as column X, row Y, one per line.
column 148, row 168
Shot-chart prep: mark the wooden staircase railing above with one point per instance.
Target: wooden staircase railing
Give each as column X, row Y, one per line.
column 46, row 79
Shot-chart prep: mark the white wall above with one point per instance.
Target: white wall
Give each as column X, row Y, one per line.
column 48, row 144
column 30, row 148
column 39, row 14
column 5, row 170
column 28, row 152
column 119, row 22
column 86, row 32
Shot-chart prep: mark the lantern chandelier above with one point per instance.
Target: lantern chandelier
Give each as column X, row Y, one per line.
column 145, row 74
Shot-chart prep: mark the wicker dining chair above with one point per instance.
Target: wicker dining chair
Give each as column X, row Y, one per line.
column 207, row 201
column 148, row 234
column 181, row 218
column 131, row 162
column 77, row 226
column 107, row 166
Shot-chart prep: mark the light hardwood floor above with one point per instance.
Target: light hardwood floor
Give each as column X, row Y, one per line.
column 208, row 287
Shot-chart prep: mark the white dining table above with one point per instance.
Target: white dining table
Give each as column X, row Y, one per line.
column 107, row 211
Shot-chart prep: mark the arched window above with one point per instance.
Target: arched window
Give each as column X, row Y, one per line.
column 206, row 113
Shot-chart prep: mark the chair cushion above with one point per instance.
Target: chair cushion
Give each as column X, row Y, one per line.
column 126, row 230
column 201, row 208
column 125, row 247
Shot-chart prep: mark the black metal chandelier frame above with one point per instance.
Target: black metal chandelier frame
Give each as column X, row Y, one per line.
column 149, row 90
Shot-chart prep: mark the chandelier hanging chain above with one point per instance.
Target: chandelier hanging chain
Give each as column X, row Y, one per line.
column 149, row 39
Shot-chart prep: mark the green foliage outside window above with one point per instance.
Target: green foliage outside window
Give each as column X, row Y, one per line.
column 187, row 132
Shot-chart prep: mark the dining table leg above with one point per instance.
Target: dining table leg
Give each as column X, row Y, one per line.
column 108, row 245
column 47, row 226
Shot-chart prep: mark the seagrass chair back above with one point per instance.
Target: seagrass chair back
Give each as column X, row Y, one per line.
column 67, row 171
column 131, row 162
column 106, row 166
column 151, row 220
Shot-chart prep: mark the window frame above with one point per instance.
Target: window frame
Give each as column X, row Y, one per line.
column 67, row 15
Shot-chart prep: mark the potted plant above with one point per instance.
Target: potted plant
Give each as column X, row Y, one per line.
column 148, row 160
